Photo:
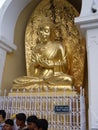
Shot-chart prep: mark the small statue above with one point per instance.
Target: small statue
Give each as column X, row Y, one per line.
column 50, row 65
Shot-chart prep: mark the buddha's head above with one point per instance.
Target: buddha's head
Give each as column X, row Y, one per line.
column 44, row 32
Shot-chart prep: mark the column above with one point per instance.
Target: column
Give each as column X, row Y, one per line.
column 2, row 62
column 88, row 25
column 4, row 48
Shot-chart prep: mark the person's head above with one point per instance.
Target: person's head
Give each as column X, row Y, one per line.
column 43, row 124
column 2, row 115
column 20, row 119
column 8, row 124
column 32, row 122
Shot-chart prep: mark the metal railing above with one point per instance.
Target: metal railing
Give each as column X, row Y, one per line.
column 43, row 105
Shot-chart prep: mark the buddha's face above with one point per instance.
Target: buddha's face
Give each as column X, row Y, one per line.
column 44, row 33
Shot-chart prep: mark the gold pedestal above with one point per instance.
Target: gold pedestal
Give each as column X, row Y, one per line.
column 50, row 94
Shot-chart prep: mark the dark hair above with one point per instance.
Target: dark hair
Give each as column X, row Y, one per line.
column 43, row 123
column 3, row 113
column 9, row 121
column 21, row 117
column 32, row 119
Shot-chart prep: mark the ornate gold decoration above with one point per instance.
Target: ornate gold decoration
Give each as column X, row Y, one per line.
column 55, row 52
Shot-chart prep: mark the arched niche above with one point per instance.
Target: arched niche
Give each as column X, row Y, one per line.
column 15, row 15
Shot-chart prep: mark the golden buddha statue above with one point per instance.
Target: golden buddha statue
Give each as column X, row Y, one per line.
column 55, row 52
column 50, row 64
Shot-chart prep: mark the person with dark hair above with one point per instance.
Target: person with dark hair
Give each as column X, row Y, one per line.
column 43, row 124
column 9, row 125
column 32, row 123
column 20, row 121
column 2, row 118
